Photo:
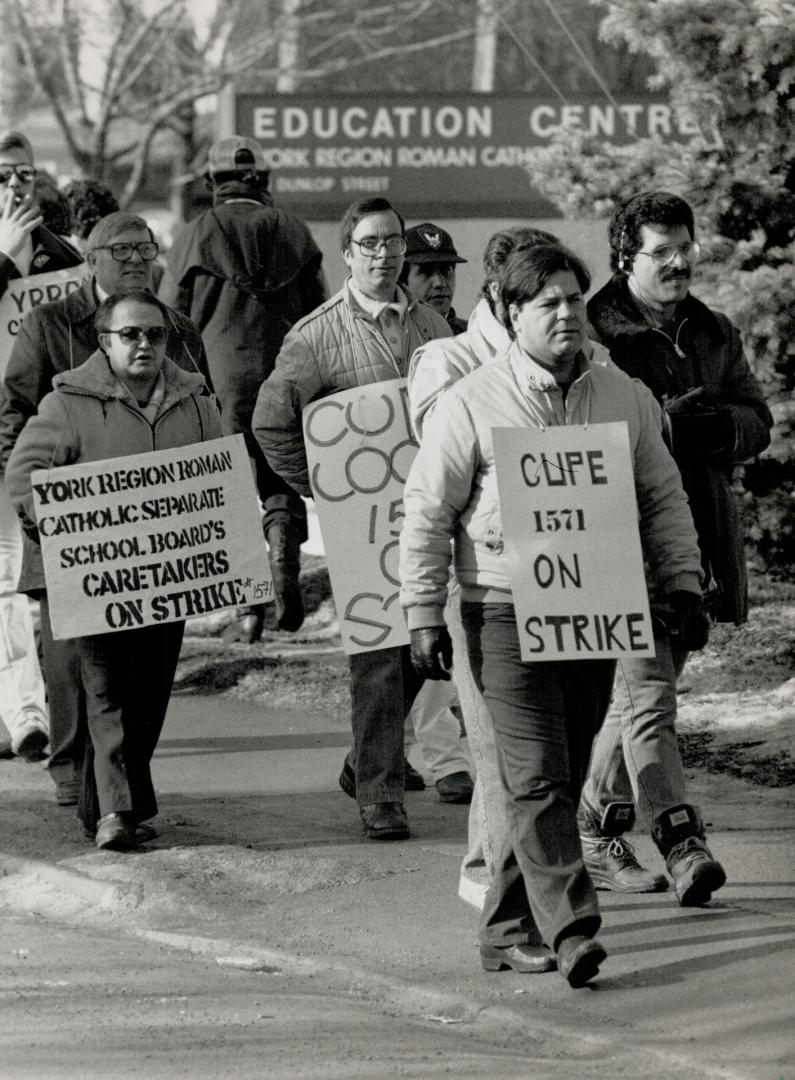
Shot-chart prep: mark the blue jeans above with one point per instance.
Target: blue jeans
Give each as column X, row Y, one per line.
column 545, row 717
column 635, row 755
column 383, row 687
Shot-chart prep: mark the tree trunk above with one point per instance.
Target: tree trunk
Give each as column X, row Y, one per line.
column 9, row 71
column 286, row 81
column 485, row 56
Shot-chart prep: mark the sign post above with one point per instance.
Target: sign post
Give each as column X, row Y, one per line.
column 570, row 522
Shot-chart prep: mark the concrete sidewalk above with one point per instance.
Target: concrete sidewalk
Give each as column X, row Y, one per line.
column 261, row 859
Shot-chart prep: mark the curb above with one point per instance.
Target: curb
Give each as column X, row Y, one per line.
column 102, row 894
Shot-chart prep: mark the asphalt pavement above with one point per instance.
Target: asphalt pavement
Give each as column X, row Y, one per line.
column 261, row 867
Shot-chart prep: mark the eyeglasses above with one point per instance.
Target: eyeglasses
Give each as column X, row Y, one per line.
column 661, row 256
column 123, row 252
column 371, row 245
column 133, row 335
column 25, row 173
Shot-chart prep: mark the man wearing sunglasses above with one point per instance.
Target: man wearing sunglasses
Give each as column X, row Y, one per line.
column 692, row 359
column 26, row 248
column 56, row 337
column 366, row 333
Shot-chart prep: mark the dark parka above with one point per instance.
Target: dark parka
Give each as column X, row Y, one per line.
column 60, row 336
column 706, row 351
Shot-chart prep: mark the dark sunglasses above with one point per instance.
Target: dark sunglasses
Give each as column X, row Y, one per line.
column 123, row 252
column 25, row 173
column 132, row 335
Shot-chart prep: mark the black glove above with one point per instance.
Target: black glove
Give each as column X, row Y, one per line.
column 688, row 623
column 700, row 427
column 432, row 652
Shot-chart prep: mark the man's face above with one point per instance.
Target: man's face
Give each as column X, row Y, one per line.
column 12, row 163
column 552, row 326
column 665, row 282
column 120, row 277
column 135, row 362
column 375, row 275
column 434, row 283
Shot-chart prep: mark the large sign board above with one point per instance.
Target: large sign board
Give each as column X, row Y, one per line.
column 151, row 538
column 360, row 447
column 570, row 523
column 439, row 154
column 25, row 293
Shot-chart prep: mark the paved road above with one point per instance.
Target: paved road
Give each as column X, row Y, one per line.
column 343, row 957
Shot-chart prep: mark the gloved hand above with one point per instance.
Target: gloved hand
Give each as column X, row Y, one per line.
column 689, row 623
column 432, row 652
column 700, row 427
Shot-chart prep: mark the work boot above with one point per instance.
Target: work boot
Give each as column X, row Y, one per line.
column 679, row 834
column 247, row 627
column 612, row 866
column 284, row 536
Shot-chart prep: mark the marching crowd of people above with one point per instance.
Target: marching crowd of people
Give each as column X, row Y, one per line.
column 236, row 334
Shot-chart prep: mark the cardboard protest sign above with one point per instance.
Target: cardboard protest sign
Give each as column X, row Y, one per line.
column 570, row 523
column 360, row 447
column 151, row 538
column 24, row 294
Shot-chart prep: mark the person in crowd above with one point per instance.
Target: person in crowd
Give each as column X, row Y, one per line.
column 53, row 206
column 429, row 270
column 57, row 337
column 546, row 713
column 89, row 201
column 244, row 272
column 438, row 733
column 27, row 247
column 434, row 368
column 127, row 398
column 366, row 333
column 692, row 360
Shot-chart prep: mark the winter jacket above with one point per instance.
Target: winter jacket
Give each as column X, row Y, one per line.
column 244, row 273
column 50, row 252
column 337, row 347
column 451, row 489
column 88, row 417
column 705, row 351
column 60, row 336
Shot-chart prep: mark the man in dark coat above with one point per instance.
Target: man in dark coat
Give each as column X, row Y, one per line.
column 245, row 272
column 692, row 360
column 429, row 270
column 55, row 337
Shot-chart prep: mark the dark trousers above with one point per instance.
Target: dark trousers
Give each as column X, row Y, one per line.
column 545, row 715
column 66, row 700
column 384, row 685
column 128, row 678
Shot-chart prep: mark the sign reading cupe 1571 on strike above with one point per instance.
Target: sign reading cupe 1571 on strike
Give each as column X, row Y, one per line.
column 151, row 538
column 360, row 447
column 451, row 155
column 570, row 522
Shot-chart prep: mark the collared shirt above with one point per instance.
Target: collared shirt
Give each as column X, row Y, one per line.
column 389, row 315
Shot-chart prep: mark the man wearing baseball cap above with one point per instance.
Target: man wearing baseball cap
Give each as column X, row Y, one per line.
column 244, row 272
column 429, row 270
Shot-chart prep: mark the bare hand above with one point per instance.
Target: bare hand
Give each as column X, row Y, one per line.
column 17, row 222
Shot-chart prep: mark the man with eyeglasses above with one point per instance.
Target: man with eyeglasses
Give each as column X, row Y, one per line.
column 245, row 272
column 366, row 333
column 27, row 248
column 692, row 359
column 56, row 337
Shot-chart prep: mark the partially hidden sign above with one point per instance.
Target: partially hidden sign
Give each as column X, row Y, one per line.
column 151, row 538
column 570, row 523
column 359, row 448
column 24, row 294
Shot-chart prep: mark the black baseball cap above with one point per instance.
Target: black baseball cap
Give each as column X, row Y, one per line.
column 427, row 243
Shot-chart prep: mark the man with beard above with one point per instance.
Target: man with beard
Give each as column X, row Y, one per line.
column 692, row 359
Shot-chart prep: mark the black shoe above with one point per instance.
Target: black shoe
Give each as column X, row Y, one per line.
column 413, row 781
column 5, row 749
column 33, row 746
column 384, row 821
column 695, row 872
column 526, row 959
column 579, row 958
column 67, row 792
column 115, row 832
column 347, row 780
column 457, row 787
column 247, row 627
